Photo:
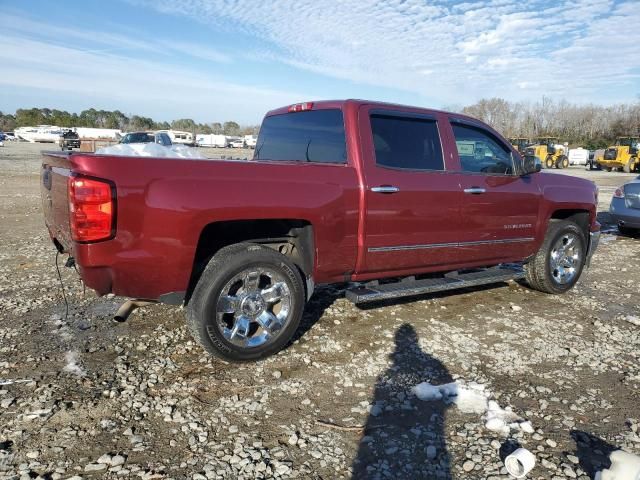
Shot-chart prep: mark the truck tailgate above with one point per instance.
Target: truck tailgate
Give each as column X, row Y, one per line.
column 54, row 178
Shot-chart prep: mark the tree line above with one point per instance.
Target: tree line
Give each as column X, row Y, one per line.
column 590, row 126
column 24, row 117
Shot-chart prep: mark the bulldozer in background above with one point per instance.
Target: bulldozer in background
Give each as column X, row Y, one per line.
column 549, row 152
column 520, row 143
column 622, row 156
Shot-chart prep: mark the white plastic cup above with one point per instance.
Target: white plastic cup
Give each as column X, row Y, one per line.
column 520, row 462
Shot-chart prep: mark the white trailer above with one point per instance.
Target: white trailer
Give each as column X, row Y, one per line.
column 250, row 141
column 578, row 156
column 212, row 140
column 179, row 137
column 101, row 133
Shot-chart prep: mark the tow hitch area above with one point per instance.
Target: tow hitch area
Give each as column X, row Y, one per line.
column 128, row 307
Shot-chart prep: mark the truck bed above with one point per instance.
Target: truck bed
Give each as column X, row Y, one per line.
column 164, row 204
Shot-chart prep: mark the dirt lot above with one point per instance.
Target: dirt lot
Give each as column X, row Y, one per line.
column 83, row 396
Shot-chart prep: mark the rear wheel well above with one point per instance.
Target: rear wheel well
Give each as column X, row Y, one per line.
column 579, row 217
column 291, row 237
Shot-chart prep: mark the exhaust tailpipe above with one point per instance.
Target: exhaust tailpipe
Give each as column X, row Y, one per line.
column 128, row 307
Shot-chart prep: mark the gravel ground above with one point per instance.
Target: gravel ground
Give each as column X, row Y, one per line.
column 82, row 396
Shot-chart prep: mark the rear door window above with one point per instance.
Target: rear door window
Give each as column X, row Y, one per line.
column 481, row 152
column 405, row 142
column 310, row 136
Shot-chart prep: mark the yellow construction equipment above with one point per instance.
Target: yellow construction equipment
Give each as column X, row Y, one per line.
column 519, row 143
column 549, row 152
column 622, row 156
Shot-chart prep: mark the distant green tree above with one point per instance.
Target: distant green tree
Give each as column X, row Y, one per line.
column 204, row 128
column 250, row 130
column 7, row 122
column 140, row 123
column 216, row 128
column 186, row 124
column 29, row 117
column 231, row 128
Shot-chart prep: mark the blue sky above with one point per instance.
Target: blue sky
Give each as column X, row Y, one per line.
column 215, row 60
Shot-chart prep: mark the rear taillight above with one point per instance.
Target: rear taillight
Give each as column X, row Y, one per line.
column 91, row 209
column 619, row 193
column 301, row 107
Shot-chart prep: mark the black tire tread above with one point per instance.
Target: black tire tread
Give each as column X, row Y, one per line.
column 536, row 271
column 196, row 306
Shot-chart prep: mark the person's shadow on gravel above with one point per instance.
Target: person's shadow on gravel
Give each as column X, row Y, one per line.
column 404, row 437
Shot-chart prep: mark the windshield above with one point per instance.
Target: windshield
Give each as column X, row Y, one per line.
column 627, row 141
column 138, row 137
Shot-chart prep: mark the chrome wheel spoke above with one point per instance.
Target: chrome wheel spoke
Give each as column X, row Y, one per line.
column 251, row 281
column 269, row 322
column 274, row 293
column 240, row 329
column 568, row 242
column 227, row 304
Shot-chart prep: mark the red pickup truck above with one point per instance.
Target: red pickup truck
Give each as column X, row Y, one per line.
column 397, row 200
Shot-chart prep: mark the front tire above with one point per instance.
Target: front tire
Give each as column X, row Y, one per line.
column 549, row 163
column 247, row 304
column 557, row 265
column 563, row 162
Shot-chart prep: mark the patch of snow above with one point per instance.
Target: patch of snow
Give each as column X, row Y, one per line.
column 151, row 150
column 624, row 466
column 474, row 398
column 72, row 365
column 468, row 398
column 501, row 420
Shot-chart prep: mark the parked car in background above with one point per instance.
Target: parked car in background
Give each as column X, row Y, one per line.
column 160, row 138
column 401, row 200
column 69, row 139
column 625, row 207
column 237, row 143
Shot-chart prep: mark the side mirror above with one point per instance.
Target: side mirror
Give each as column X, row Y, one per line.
column 531, row 164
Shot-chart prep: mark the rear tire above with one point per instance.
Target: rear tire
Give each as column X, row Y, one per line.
column 549, row 163
column 626, row 231
column 557, row 265
column 247, row 304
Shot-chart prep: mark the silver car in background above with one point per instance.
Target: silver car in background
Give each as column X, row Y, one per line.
column 625, row 207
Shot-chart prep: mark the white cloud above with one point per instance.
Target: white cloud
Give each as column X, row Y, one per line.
column 481, row 48
column 153, row 88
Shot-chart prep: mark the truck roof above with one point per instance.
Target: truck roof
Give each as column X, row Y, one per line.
column 326, row 104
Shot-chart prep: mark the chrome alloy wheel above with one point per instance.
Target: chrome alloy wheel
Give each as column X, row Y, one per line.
column 253, row 307
column 565, row 258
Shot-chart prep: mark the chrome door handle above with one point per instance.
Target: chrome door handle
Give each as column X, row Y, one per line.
column 385, row 189
column 474, row 190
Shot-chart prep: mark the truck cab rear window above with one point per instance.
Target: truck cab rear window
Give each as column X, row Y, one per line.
column 311, row 136
column 406, row 142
